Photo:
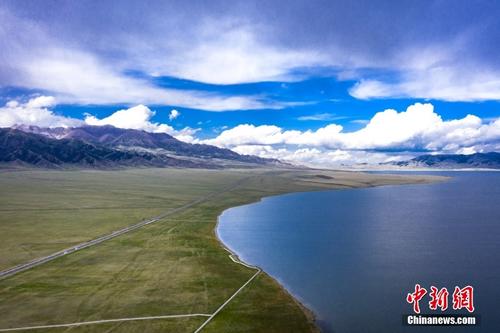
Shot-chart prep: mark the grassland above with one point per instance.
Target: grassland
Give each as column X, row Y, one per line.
column 175, row 266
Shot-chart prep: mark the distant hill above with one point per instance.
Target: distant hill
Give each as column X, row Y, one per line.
column 18, row 147
column 107, row 146
column 478, row 160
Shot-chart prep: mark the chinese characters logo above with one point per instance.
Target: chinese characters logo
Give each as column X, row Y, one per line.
column 462, row 298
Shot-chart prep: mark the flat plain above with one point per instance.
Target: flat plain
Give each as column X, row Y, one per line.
column 172, row 267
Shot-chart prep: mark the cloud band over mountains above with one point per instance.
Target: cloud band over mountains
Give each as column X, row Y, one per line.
column 388, row 135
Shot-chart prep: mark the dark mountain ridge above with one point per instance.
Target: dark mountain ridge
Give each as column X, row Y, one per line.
column 21, row 148
column 107, row 146
column 478, row 160
column 127, row 139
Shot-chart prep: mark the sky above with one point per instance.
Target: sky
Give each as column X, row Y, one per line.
column 320, row 83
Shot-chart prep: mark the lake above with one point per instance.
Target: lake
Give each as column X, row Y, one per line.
column 352, row 256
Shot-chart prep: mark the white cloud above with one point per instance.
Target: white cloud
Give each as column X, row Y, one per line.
column 41, row 102
column 34, row 112
column 321, row 117
column 314, row 157
column 37, row 61
column 388, row 135
column 247, row 134
column 366, row 89
column 418, row 128
column 76, row 77
column 173, row 114
column 139, row 118
column 228, row 52
column 432, row 71
column 37, row 112
column 441, row 83
column 359, row 121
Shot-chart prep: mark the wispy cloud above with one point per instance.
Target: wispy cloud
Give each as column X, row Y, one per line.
column 450, row 55
column 360, row 121
column 226, row 52
column 35, row 60
column 445, row 83
column 321, row 117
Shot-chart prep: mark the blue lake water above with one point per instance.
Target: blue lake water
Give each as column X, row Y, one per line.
column 351, row 256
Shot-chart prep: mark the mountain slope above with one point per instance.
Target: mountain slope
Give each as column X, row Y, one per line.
column 133, row 140
column 478, row 160
column 18, row 147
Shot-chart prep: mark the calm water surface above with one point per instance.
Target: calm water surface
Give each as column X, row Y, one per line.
column 352, row 255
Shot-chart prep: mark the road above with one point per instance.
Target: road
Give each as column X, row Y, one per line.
column 36, row 262
column 235, row 259
column 232, row 256
column 40, row 261
column 26, row 328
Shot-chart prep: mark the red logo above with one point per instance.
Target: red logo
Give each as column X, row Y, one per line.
column 463, row 298
column 439, row 299
column 416, row 297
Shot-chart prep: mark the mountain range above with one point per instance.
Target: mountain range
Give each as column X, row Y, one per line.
column 111, row 147
column 453, row 161
column 108, row 146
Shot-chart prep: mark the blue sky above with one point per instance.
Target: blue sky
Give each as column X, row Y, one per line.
column 292, row 72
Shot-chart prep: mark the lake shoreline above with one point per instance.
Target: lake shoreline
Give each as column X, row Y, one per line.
column 308, row 312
